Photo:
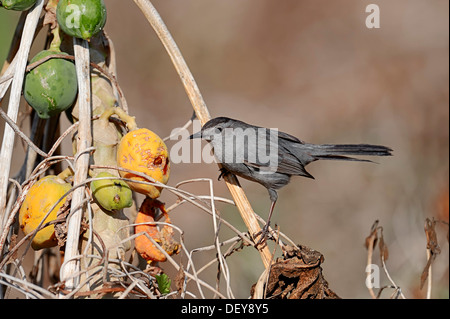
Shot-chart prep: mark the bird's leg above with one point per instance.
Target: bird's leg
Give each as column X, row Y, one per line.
column 265, row 231
column 223, row 172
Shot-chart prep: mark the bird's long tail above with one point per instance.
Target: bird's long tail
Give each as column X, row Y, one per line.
column 342, row 151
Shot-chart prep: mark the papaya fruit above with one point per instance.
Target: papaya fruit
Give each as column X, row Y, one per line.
column 143, row 245
column 144, row 151
column 40, row 198
column 81, row 18
column 52, row 87
column 18, row 5
column 111, row 194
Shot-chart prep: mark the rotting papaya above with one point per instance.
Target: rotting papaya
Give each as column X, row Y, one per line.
column 143, row 151
column 145, row 217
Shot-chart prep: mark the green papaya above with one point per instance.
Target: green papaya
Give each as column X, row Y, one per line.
column 17, row 5
column 52, row 87
column 81, row 18
column 111, row 194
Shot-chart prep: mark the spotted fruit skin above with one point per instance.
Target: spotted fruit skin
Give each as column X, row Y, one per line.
column 40, row 198
column 52, row 87
column 18, row 5
column 164, row 238
column 111, row 194
column 81, row 18
column 143, row 151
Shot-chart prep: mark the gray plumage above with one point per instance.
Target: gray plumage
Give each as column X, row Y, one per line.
column 270, row 157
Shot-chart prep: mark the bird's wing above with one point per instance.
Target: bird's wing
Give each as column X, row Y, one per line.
column 276, row 155
column 289, row 138
column 290, row 164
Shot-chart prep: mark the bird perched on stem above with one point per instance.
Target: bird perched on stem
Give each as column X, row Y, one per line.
column 270, row 157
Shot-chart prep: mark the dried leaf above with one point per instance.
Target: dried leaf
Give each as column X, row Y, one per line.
column 430, row 232
column 424, row 275
column 50, row 17
column 384, row 252
column 432, row 246
column 179, row 280
column 298, row 276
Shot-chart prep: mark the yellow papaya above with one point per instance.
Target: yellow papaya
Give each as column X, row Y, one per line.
column 40, row 198
column 143, row 151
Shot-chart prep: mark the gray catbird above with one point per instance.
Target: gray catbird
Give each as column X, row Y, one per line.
column 271, row 157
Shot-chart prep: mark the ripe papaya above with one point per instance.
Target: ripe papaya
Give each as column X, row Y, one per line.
column 143, row 151
column 40, row 198
column 52, row 87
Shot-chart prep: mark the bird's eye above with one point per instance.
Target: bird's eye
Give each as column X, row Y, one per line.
column 218, row 130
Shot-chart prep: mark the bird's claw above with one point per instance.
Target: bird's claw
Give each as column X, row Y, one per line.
column 264, row 234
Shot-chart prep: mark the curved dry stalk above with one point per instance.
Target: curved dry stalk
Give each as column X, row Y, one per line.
column 394, row 285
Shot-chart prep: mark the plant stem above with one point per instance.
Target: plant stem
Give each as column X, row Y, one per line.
column 84, row 142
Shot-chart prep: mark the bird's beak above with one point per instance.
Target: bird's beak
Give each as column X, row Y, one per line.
column 196, row 135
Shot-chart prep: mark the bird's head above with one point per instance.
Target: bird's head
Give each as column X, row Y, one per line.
column 214, row 127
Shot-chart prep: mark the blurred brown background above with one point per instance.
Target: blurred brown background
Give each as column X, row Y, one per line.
column 312, row 69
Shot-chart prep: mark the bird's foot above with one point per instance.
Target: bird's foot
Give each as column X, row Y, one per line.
column 264, row 234
column 223, row 172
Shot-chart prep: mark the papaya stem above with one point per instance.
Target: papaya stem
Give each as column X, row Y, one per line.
column 55, row 30
column 129, row 120
column 65, row 173
column 56, row 42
